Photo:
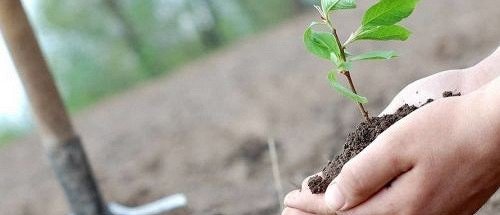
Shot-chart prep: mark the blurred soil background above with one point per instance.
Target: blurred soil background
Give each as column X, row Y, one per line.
column 202, row 128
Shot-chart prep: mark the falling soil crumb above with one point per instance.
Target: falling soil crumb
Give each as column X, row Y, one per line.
column 360, row 138
column 450, row 94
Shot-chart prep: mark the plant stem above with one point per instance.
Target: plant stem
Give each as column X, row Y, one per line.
column 346, row 73
column 362, row 109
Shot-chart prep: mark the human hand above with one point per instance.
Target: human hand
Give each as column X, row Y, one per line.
column 464, row 81
column 442, row 159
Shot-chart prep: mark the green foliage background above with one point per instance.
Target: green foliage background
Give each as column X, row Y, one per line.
column 100, row 47
column 95, row 52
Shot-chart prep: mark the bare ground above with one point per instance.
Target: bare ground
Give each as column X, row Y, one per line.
column 203, row 130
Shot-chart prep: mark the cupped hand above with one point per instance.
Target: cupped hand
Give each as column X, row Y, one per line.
column 442, row 159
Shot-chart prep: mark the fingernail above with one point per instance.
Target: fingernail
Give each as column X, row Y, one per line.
column 334, row 198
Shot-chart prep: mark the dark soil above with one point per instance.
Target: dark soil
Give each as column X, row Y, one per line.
column 356, row 141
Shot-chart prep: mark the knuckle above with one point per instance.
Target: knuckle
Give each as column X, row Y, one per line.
column 391, row 140
column 352, row 182
column 413, row 209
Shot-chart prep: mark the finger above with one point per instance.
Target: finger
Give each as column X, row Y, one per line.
column 379, row 204
column 293, row 211
column 431, row 87
column 400, row 198
column 306, row 201
column 396, row 102
column 367, row 173
column 305, row 182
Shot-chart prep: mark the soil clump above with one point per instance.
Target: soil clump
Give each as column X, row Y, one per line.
column 364, row 133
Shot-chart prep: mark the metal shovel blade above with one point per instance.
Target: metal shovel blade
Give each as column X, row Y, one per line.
column 154, row 208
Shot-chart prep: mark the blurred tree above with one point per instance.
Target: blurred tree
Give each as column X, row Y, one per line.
column 99, row 47
column 210, row 36
column 85, row 50
column 301, row 5
column 268, row 13
column 131, row 36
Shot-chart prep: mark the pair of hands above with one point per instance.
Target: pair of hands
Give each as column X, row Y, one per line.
column 443, row 158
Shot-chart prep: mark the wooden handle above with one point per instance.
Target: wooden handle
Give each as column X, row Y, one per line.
column 48, row 109
column 62, row 145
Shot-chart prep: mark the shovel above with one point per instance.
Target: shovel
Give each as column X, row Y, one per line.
column 60, row 142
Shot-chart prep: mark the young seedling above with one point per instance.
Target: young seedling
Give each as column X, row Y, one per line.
column 379, row 23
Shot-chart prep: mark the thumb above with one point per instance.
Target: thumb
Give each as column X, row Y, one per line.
column 367, row 173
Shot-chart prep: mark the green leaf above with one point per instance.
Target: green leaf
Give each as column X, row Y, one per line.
column 332, row 77
column 388, row 12
column 391, row 32
column 335, row 59
column 347, row 53
column 318, row 8
column 375, row 55
column 344, row 4
column 344, row 66
column 321, row 44
column 341, row 65
column 327, row 5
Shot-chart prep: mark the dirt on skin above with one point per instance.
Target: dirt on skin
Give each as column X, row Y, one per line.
column 364, row 134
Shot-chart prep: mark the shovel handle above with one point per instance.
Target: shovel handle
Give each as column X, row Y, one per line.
column 62, row 145
column 47, row 107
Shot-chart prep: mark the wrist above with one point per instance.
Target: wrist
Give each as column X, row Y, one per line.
column 481, row 73
column 483, row 122
column 491, row 101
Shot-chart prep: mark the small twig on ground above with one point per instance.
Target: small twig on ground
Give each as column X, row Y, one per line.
column 276, row 170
